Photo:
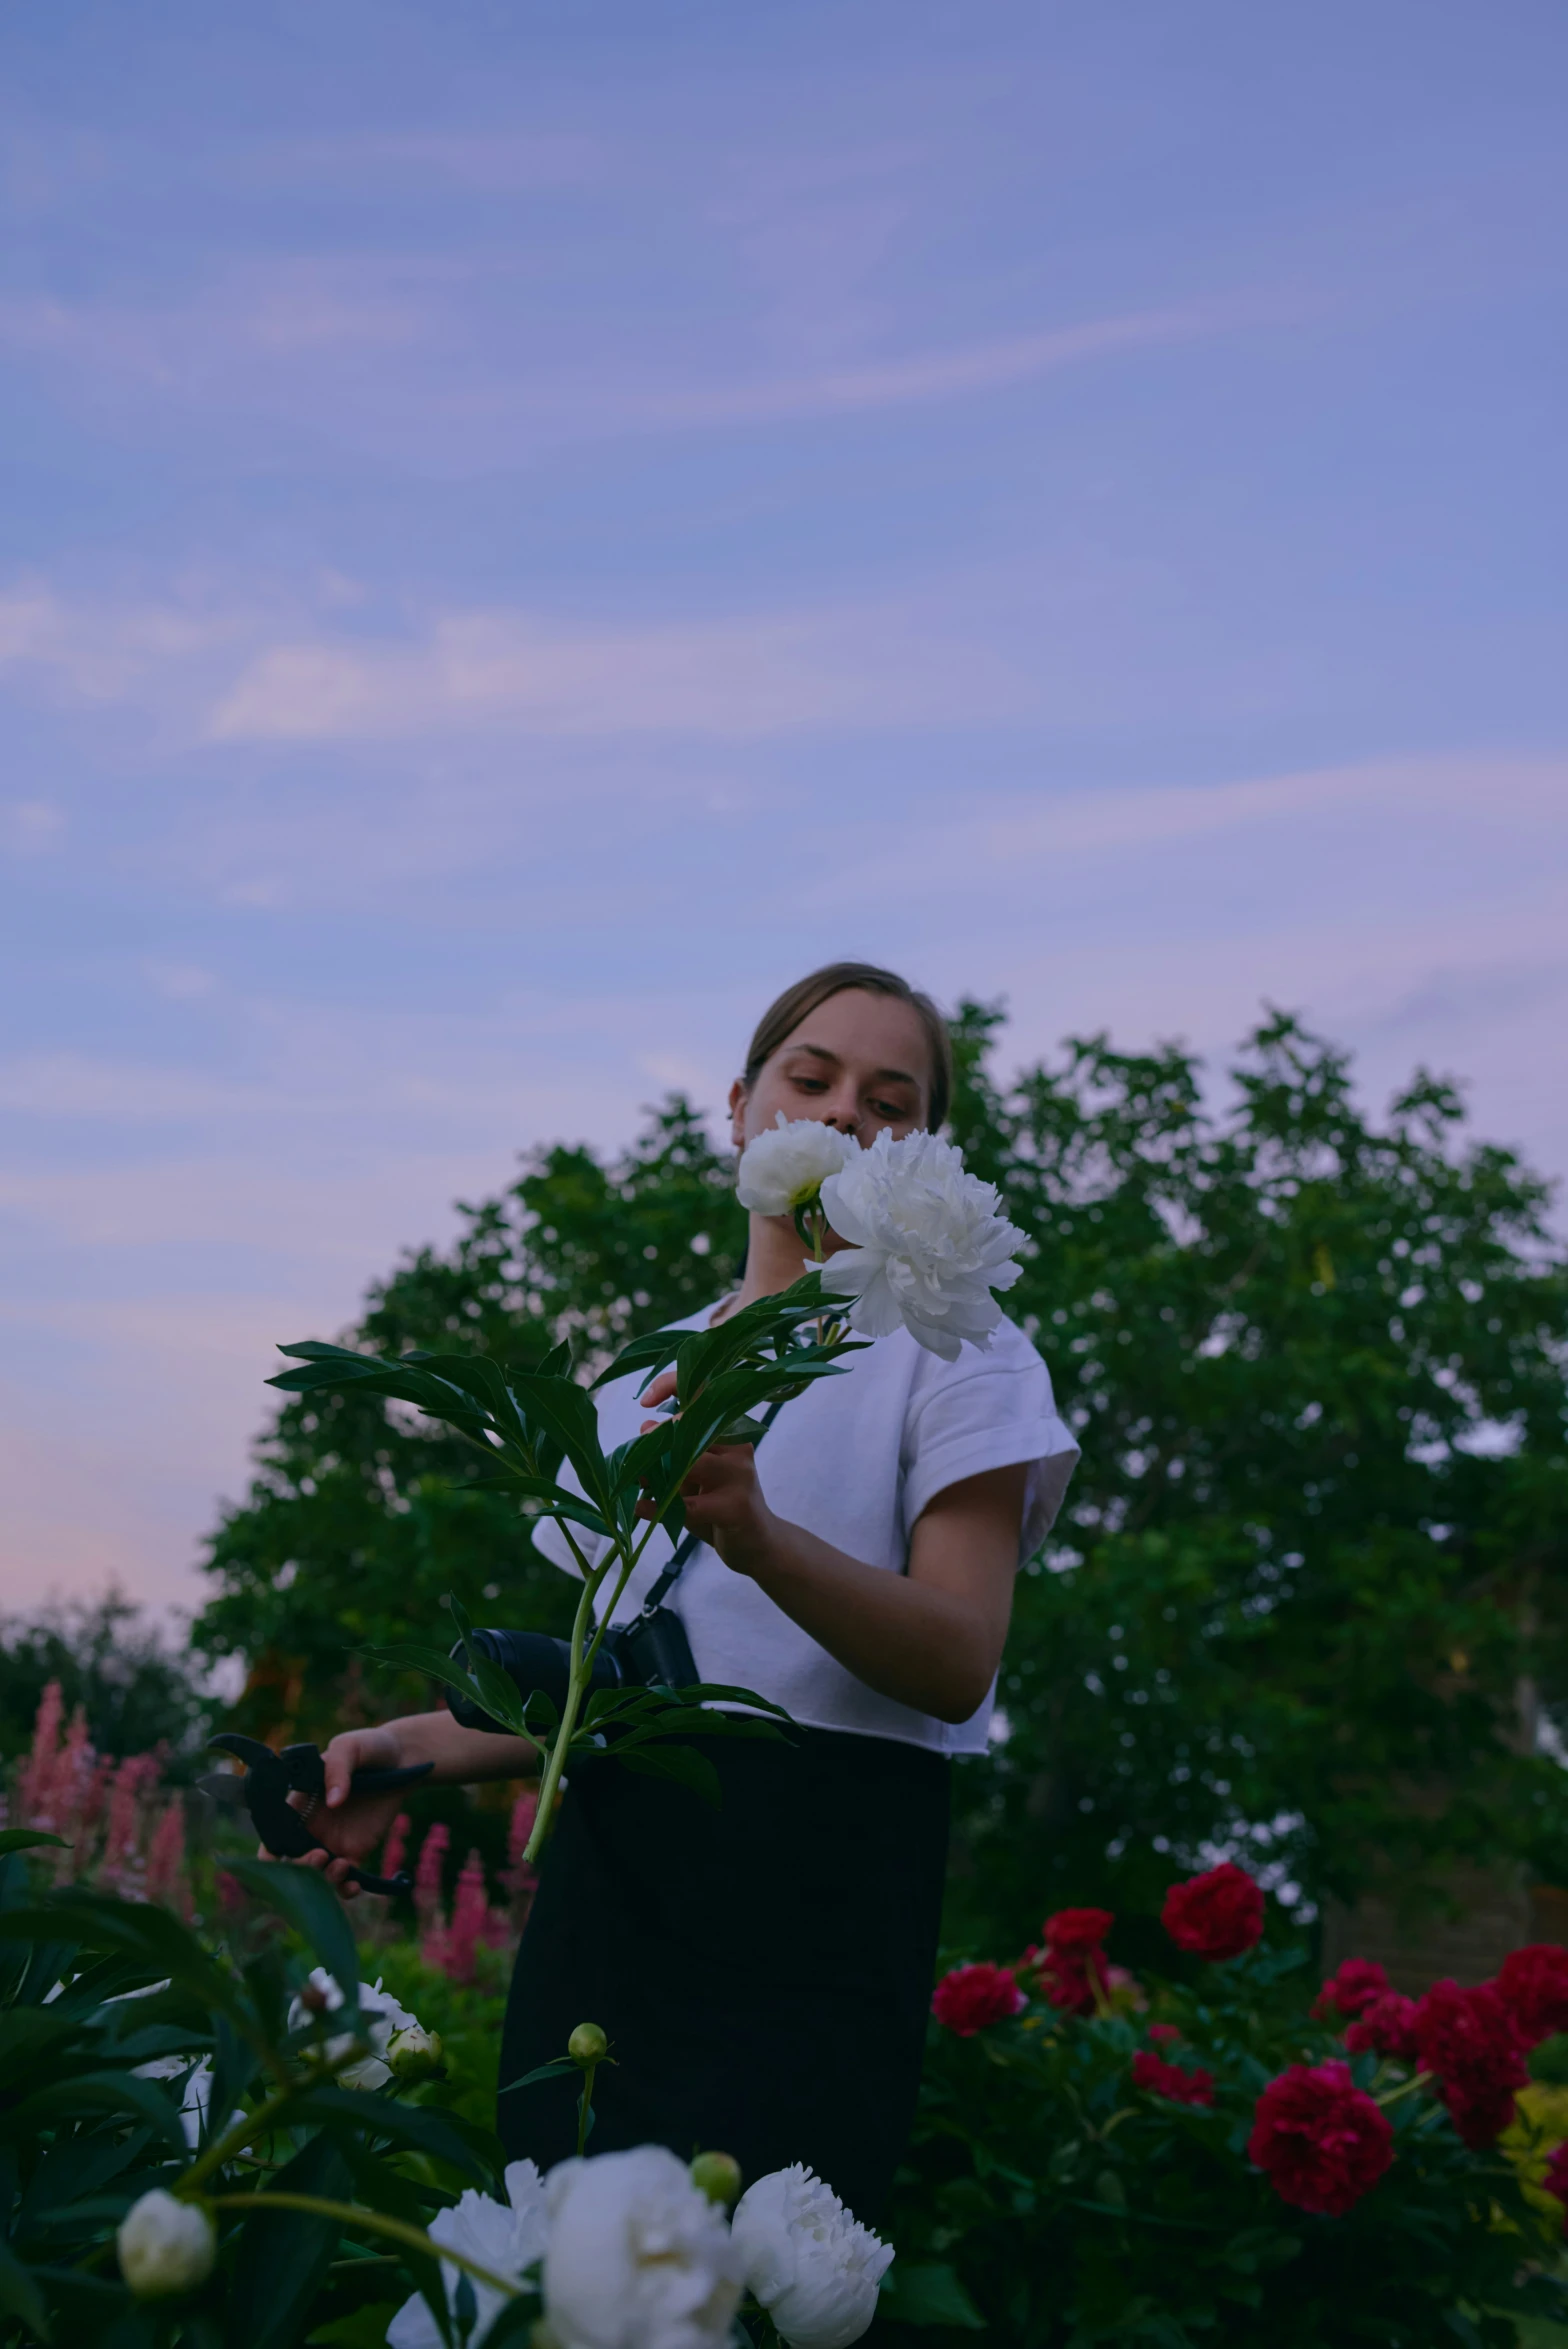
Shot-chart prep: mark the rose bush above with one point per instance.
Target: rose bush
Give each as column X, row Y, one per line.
column 1238, row 2161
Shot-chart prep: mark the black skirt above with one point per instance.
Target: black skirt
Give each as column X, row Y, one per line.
column 763, row 1971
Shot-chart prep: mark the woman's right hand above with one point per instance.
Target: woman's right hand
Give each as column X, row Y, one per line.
column 352, row 1826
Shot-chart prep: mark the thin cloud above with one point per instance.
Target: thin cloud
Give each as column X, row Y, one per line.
column 954, row 374
column 717, row 678
column 103, row 651
column 1006, row 835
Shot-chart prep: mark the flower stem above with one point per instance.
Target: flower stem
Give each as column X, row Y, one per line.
column 578, row 1669
column 374, row 2222
column 245, row 2131
column 585, row 2107
column 1405, row 2088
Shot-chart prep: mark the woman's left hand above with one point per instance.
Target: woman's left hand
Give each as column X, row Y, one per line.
column 723, row 1499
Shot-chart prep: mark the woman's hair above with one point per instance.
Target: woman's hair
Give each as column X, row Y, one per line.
column 784, row 1015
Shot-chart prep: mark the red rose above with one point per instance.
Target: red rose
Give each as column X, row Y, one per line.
column 1216, row 1915
column 1357, row 1983
column 1169, row 2080
column 970, row 1997
column 1319, row 2139
column 1386, row 2026
column 1533, row 1984
column 1074, row 1932
column 1467, row 2039
column 1164, row 2034
column 1556, row 2178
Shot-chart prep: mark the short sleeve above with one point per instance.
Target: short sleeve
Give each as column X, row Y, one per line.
column 988, row 1410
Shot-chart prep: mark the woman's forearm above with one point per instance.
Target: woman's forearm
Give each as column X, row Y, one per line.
column 461, row 1757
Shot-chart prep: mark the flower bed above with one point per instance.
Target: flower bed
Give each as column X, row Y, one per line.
column 1231, row 2159
column 226, row 2144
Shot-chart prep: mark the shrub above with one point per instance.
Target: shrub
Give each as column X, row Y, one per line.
column 1222, row 2165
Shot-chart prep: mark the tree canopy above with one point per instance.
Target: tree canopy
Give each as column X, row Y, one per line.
column 1305, row 1600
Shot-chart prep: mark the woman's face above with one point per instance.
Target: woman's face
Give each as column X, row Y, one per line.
column 858, row 1062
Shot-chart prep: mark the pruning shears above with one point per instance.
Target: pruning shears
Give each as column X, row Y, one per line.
column 270, row 1778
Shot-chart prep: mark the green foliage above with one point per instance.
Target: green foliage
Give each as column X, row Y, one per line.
column 1315, row 1542
column 109, row 2012
column 1311, row 1556
column 467, row 2015
column 519, row 1417
column 1073, row 2207
column 135, row 1692
column 361, row 1518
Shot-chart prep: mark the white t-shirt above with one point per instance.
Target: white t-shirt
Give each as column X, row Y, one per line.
column 854, row 1460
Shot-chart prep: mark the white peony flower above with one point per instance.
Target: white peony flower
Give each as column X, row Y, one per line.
column 505, row 2237
column 927, row 1244
column 383, row 2018
column 784, row 1168
column 807, row 2259
column 165, row 2246
column 638, row 2258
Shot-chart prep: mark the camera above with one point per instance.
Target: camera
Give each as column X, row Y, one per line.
column 652, row 1651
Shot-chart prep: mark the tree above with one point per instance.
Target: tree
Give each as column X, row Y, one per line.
column 1314, row 1549
column 362, row 1516
column 1311, row 1561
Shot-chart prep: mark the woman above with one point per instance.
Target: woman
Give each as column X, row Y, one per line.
column 764, row 1970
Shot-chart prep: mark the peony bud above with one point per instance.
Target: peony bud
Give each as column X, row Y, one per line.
column 415, row 2054
column 587, row 2045
column 718, row 2175
column 165, row 2246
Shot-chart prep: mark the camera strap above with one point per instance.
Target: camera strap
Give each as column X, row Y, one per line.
column 675, row 1564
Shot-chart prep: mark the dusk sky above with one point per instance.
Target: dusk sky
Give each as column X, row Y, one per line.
column 524, row 528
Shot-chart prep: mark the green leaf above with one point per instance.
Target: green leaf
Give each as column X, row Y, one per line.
column 305, row 1898
column 34, row 2036
column 421, row 2128
column 487, row 1686
column 283, row 2256
column 153, row 1938
column 556, row 2069
column 567, row 1410
column 513, row 2321
column 382, row 2188
column 362, row 2328
column 99, row 2093
column 21, row 2297
column 928, row 2295
column 25, row 1838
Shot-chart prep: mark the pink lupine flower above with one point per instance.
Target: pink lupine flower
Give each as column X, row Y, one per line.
column 470, row 1915
column 427, row 1875
column 395, row 1849
column 122, row 1833
column 166, row 1861
column 36, row 1784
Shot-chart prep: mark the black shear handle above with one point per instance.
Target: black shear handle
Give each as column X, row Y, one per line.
column 384, row 1782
